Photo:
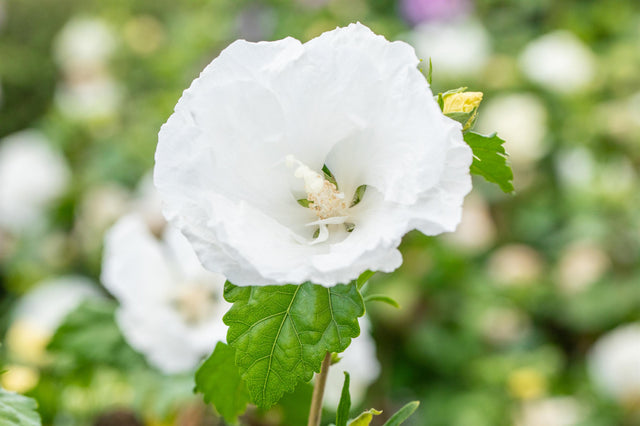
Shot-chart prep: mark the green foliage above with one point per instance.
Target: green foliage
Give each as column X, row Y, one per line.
column 218, row 379
column 282, row 333
column 365, row 418
column 295, row 405
column 17, row 410
column 382, row 298
column 489, row 159
column 342, row 414
column 90, row 335
column 403, row 414
column 363, row 278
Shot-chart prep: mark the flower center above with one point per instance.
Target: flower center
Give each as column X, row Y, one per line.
column 194, row 302
column 323, row 197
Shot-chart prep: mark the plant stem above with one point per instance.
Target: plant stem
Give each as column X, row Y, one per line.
column 315, row 413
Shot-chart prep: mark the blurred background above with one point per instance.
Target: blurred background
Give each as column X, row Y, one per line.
column 528, row 315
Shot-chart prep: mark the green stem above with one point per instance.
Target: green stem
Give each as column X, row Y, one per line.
column 315, row 413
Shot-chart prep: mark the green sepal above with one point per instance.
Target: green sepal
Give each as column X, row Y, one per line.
column 342, row 414
column 282, row 333
column 490, row 159
column 467, row 119
column 403, row 414
column 220, row 383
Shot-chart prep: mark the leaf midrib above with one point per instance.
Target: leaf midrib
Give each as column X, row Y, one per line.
column 273, row 346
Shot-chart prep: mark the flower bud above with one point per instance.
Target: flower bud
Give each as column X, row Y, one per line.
column 461, row 102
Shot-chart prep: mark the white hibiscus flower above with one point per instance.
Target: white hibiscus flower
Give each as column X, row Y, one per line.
column 170, row 307
column 361, row 362
column 614, row 364
column 32, row 175
column 239, row 165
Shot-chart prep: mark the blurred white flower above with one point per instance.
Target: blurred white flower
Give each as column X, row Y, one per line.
column 170, row 307
column 94, row 98
column 361, row 362
column 84, row 44
column 614, row 364
column 459, row 48
column 521, row 120
column 575, row 167
column 147, row 203
column 100, row 207
column 581, row 265
column 503, row 325
column 41, row 311
column 251, row 135
column 515, row 264
column 559, row 61
column 32, row 175
column 477, row 231
column 557, row 411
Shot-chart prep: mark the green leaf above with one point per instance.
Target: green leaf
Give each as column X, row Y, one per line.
column 219, row 380
column 382, row 298
column 489, row 159
column 342, row 415
column 365, row 418
column 89, row 335
column 430, row 72
column 282, row 333
column 403, row 414
column 363, row 278
column 18, row 410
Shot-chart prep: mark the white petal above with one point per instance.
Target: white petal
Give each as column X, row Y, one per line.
column 348, row 99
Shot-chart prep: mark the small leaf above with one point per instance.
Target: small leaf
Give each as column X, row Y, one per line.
column 357, row 196
column 363, row 278
column 89, row 335
column 403, row 414
column 382, row 298
column 220, row 383
column 365, row 418
column 430, row 72
column 342, row 415
column 489, row 159
column 282, row 333
column 304, row 202
column 18, row 410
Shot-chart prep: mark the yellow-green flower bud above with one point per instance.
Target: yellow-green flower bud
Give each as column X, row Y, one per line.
column 461, row 102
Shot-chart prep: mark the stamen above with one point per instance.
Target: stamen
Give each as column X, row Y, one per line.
column 324, row 198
